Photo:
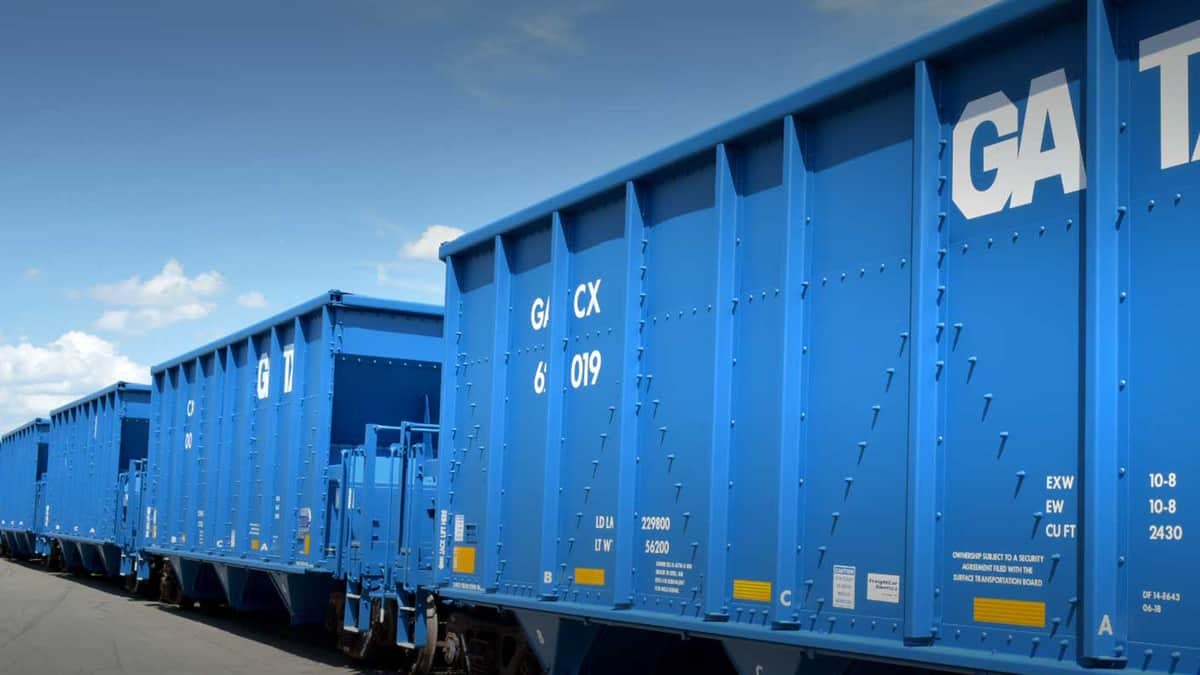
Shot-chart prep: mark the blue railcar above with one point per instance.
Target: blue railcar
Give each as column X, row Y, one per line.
column 898, row 367
column 94, row 440
column 246, row 486
column 23, row 453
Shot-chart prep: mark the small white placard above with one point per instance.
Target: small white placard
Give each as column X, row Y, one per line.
column 883, row 587
column 843, row 586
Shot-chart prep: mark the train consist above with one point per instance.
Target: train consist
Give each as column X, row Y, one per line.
column 896, row 370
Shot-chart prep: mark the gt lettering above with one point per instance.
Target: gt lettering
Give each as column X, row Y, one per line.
column 289, row 367
column 264, row 377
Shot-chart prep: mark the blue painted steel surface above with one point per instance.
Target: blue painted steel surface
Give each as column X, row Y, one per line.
column 386, row 494
column 131, row 495
column 94, row 440
column 897, row 366
column 244, row 431
column 23, row 454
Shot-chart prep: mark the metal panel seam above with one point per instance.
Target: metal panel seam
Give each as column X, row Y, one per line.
column 631, row 359
column 791, row 448
column 926, row 367
column 723, row 364
column 556, row 348
column 1102, row 384
column 501, row 281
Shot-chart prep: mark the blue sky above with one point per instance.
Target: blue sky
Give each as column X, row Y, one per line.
column 170, row 172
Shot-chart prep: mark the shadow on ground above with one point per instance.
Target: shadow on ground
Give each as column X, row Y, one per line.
column 272, row 630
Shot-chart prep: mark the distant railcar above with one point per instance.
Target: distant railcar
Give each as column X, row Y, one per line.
column 93, row 441
column 22, row 463
column 246, row 492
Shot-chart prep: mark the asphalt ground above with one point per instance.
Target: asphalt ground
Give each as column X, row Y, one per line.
column 58, row 623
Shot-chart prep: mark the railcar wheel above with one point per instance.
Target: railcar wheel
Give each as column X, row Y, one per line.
column 54, row 562
column 491, row 645
column 144, row 588
column 170, row 590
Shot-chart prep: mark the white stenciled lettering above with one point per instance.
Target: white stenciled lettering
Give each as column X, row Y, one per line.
column 1169, row 53
column 1018, row 160
column 1161, row 506
column 264, row 376
column 1060, row 530
column 657, row 547
column 1163, row 480
column 1166, row 532
column 656, row 523
column 539, row 378
column 289, row 367
column 585, row 369
column 785, row 597
column 539, row 313
column 592, row 306
column 1060, row 482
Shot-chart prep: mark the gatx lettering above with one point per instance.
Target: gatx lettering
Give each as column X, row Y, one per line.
column 1018, row 158
column 1168, row 53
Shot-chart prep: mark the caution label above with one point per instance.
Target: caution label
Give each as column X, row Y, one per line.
column 843, row 586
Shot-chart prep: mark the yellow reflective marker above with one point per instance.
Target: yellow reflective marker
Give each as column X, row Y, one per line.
column 589, row 576
column 464, row 560
column 1010, row 612
column 756, row 591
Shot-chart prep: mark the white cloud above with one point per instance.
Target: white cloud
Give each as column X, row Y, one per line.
column 34, row 379
column 416, row 283
column 417, row 274
column 252, row 300
column 170, row 287
column 943, row 9
column 555, row 31
column 145, row 319
column 32, row 274
column 425, row 247
column 166, row 298
column 529, row 46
